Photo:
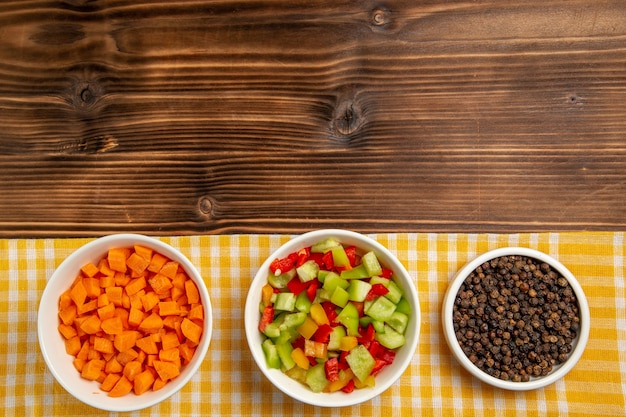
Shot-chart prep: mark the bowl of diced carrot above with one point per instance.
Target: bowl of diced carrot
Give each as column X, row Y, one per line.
column 124, row 322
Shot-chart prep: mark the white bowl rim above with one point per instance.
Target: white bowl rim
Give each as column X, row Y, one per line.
column 283, row 382
column 44, row 319
column 535, row 383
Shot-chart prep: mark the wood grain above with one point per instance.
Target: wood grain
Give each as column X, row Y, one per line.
column 211, row 117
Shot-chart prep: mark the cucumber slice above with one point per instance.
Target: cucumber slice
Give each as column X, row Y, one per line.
column 280, row 281
column 398, row 321
column 340, row 258
column 390, row 338
column 381, row 309
column 316, row 378
column 370, row 261
column 332, row 281
column 271, row 354
column 308, row 271
column 339, row 297
column 357, row 272
column 293, row 320
column 358, row 290
column 335, row 337
column 303, row 303
column 361, row 362
column 285, row 301
column 403, row 306
column 325, row 245
column 349, row 317
column 395, row 292
column 284, row 353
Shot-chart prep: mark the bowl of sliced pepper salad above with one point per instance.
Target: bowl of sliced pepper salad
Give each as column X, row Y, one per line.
column 332, row 318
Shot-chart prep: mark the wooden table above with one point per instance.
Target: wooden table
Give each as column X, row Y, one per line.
column 220, row 117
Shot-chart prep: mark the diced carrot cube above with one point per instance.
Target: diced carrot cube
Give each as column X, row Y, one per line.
column 73, row 345
column 137, row 263
column 148, row 345
column 169, row 340
column 151, row 324
column 191, row 330
column 67, row 331
column 106, row 312
column 65, row 300
column 135, row 285
column 89, row 269
column 68, row 314
column 125, row 340
column 115, row 295
column 113, row 366
column 143, row 382
column 170, row 355
column 169, row 269
column 91, row 370
column 127, row 356
column 160, row 283
column 196, row 313
column 166, row 370
column 78, row 293
column 143, row 251
column 149, row 301
column 117, row 259
column 92, row 287
column 168, row 308
column 132, row 369
column 157, row 262
column 110, row 381
column 103, row 345
column 193, row 295
column 121, row 388
column 91, row 325
column 103, row 300
column 104, row 268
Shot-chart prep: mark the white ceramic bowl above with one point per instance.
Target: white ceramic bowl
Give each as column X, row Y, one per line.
column 387, row 376
column 558, row 371
column 53, row 347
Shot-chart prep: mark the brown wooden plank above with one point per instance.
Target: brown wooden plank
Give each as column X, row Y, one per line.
column 237, row 117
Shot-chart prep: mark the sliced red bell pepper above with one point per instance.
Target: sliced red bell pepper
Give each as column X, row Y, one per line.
column 327, row 260
column 378, row 366
column 349, row 387
column 376, row 291
column 303, row 256
column 360, row 307
column 279, row 266
column 318, row 258
column 387, row 273
column 329, row 308
column 299, row 343
column 374, row 348
column 331, row 366
column 351, row 254
column 343, row 362
column 267, row 317
column 367, row 334
column 296, row 286
column 322, row 334
column 385, row 354
column 311, row 290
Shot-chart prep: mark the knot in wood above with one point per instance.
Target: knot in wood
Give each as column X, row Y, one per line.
column 205, row 205
column 85, row 94
column 380, row 17
column 347, row 118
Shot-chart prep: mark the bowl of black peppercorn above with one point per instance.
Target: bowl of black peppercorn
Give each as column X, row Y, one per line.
column 516, row 318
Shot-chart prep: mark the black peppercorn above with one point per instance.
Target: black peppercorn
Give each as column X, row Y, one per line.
column 515, row 317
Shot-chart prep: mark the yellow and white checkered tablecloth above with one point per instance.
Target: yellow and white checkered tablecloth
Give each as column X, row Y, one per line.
column 230, row 384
